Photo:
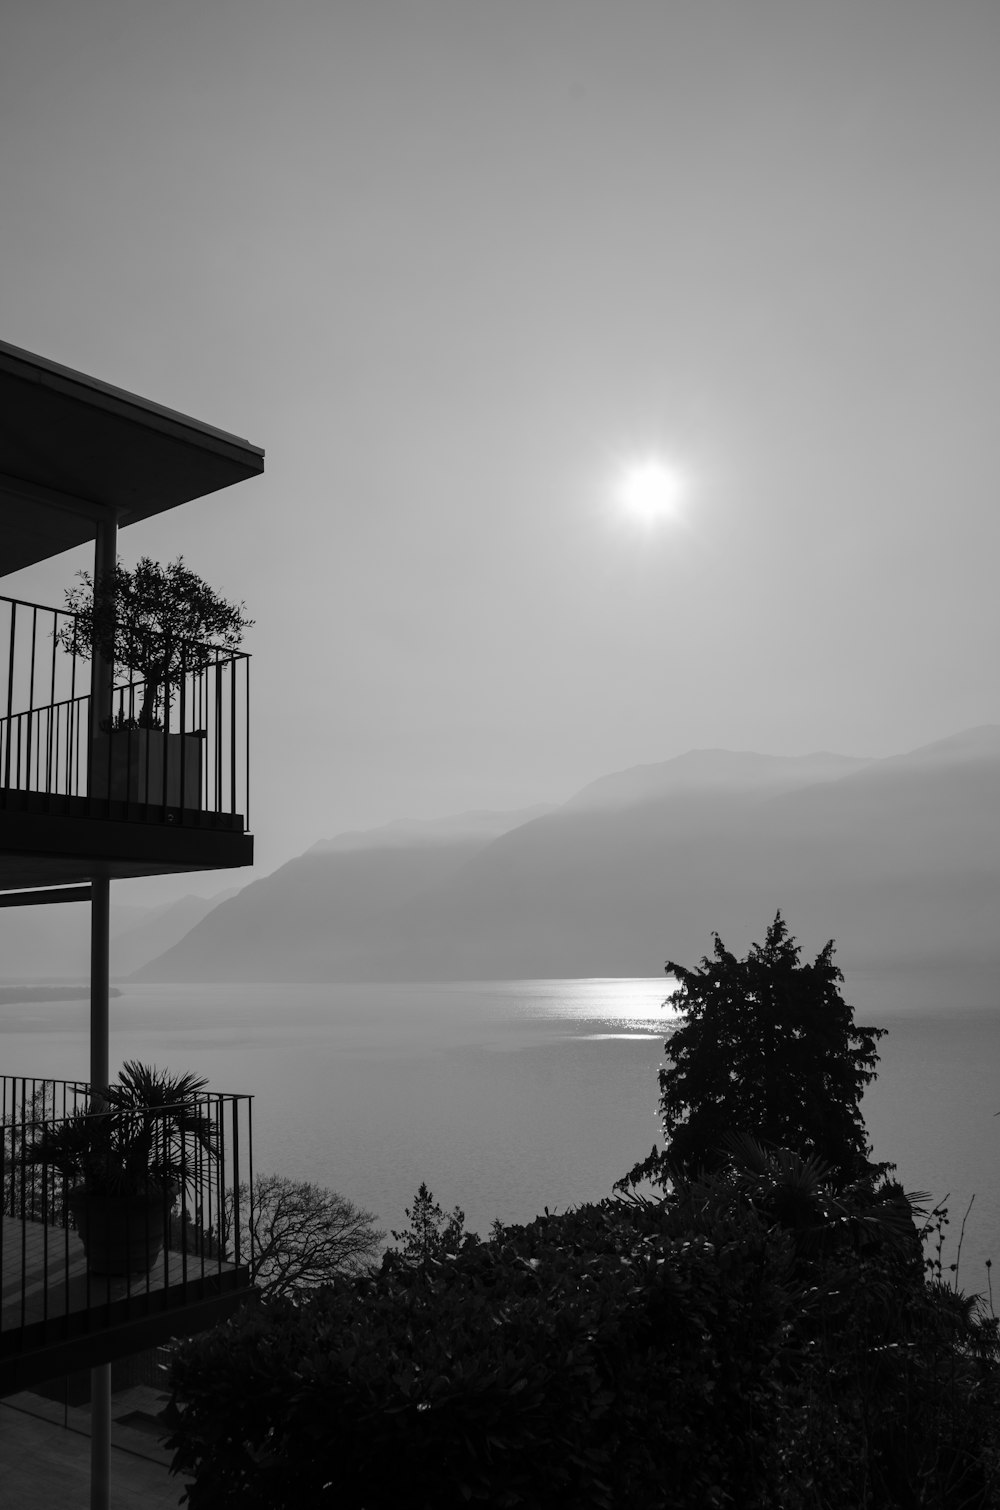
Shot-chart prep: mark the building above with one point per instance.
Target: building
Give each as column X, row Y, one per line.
column 88, row 796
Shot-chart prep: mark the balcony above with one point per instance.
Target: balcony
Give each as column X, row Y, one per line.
column 57, row 1314
column 135, row 800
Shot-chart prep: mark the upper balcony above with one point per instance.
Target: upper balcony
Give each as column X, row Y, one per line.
column 124, row 795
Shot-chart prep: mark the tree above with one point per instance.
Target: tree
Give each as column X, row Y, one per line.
column 432, row 1232
column 766, row 1047
column 159, row 622
column 303, row 1235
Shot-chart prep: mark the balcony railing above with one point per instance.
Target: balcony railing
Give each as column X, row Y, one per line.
column 193, row 762
column 194, row 1229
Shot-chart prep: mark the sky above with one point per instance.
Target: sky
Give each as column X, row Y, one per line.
column 456, row 264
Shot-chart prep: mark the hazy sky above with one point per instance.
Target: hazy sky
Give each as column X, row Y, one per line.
column 453, row 265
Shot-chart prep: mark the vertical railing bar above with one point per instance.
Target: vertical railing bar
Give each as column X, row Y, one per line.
column 75, row 781
column 73, row 715
column 3, row 1181
column 185, row 1176
column 219, row 1173
column 166, row 728
column 218, row 734
column 56, row 715
column 145, row 794
column 246, row 663
column 31, row 691
column 236, row 1178
column 92, row 744
column 250, row 1221
column 52, row 704
column 204, row 1209
column 183, row 728
column 24, row 1225
column 232, row 735
column 10, row 690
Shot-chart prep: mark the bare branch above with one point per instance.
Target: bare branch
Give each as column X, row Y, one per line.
column 303, row 1235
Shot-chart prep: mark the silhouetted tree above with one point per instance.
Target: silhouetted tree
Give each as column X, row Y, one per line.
column 432, row 1232
column 159, row 622
column 768, row 1047
column 304, row 1235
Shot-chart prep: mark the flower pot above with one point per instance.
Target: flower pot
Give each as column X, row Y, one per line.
column 144, row 765
column 121, row 1234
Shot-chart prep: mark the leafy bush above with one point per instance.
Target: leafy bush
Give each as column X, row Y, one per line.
column 758, row 1338
column 565, row 1365
column 762, row 1335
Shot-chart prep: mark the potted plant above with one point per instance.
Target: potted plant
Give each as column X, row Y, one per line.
column 161, row 624
column 126, row 1162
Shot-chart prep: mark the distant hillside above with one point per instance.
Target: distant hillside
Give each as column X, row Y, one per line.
column 324, row 910
column 898, row 859
column 148, row 937
column 53, row 943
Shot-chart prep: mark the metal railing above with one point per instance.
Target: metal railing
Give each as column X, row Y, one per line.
column 187, row 1233
column 191, row 758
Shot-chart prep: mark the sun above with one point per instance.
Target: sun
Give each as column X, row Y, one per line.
column 649, row 489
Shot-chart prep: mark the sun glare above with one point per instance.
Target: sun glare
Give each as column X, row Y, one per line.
column 650, row 489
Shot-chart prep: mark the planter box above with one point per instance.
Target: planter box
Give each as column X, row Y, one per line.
column 121, row 1234
column 136, row 759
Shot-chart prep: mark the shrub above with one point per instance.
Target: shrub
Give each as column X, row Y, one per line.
column 759, row 1337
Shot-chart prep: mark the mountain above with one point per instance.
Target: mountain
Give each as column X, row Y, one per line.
column 898, row 859
column 159, row 929
column 404, row 833
column 53, row 943
column 324, row 910
column 703, row 772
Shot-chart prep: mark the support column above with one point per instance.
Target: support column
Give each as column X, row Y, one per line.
column 100, row 1437
column 101, row 699
column 101, row 696
column 100, row 978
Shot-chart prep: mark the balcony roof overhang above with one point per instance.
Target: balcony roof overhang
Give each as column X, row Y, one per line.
column 75, row 451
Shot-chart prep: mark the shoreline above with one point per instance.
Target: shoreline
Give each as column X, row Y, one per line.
column 13, row 996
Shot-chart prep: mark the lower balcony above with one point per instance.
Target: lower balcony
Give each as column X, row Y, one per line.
column 79, row 1287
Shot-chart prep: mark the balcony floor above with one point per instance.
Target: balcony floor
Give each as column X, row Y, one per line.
column 57, row 841
column 55, row 1316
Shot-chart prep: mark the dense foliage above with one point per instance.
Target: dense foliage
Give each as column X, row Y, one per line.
column 763, row 1333
column 768, row 1047
column 757, row 1338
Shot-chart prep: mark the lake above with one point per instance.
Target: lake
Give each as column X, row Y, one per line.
column 510, row 1096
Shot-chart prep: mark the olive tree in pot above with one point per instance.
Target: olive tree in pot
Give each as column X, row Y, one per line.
column 161, row 624
column 125, row 1164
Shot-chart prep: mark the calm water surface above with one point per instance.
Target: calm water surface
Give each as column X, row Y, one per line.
column 507, row 1097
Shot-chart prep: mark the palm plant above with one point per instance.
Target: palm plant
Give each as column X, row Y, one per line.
column 145, row 1136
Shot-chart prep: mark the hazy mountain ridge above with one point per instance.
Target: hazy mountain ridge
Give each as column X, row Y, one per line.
column 706, row 771
column 896, row 858
column 53, row 943
column 476, row 824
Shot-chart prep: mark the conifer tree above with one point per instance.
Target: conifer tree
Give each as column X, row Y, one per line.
column 767, row 1047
